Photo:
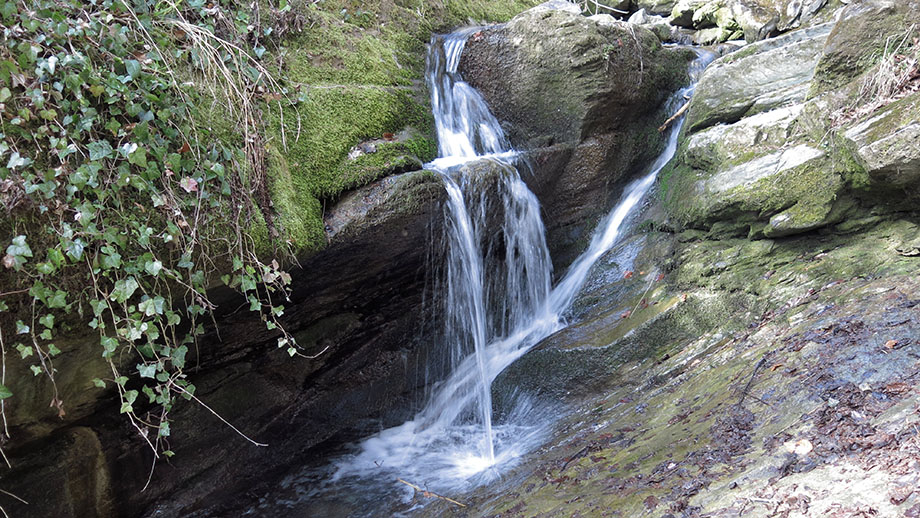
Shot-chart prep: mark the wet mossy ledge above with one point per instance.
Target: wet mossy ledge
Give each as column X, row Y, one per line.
column 359, row 68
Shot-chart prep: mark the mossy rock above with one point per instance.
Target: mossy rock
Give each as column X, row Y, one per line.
column 360, row 72
column 887, row 145
column 756, row 79
column 859, row 40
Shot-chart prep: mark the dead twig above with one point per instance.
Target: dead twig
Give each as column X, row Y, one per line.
column 13, row 496
column 747, row 387
column 674, row 117
column 209, row 409
column 581, row 453
column 429, row 494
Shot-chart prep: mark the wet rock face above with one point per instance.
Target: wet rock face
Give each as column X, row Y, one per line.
column 785, row 136
column 587, row 91
column 364, row 324
column 745, row 158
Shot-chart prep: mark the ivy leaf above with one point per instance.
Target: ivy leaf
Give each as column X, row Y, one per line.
column 152, row 306
column 98, row 382
column 24, row 352
column 75, row 249
column 147, row 371
column 17, row 254
column 21, row 328
column 133, row 68
column 5, row 392
column 99, row 149
column 149, row 392
column 55, row 256
column 189, row 184
column 124, row 289
column 47, row 321
column 130, row 397
column 111, row 261
column 58, row 300
column 178, row 356
column 138, row 157
column 16, row 161
column 153, row 267
column 109, row 345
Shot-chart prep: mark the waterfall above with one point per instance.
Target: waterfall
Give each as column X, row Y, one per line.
column 494, row 310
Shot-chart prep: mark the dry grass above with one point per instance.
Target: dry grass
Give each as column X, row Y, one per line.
column 896, row 76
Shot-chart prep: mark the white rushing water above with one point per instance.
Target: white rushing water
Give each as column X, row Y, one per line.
column 497, row 299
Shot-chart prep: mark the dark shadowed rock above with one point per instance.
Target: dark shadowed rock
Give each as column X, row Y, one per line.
column 554, row 76
column 587, row 89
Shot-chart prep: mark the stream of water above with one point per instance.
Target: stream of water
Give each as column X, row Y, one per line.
column 497, row 304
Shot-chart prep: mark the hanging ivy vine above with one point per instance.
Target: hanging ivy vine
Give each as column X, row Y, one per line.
column 120, row 209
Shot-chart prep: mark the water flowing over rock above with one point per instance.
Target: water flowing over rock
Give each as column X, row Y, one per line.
column 583, row 96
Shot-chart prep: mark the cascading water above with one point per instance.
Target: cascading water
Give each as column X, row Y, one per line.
column 494, row 311
column 452, row 438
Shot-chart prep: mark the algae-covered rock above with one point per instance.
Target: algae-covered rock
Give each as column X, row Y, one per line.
column 860, row 37
column 758, row 78
column 887, row 144
column 747, row 165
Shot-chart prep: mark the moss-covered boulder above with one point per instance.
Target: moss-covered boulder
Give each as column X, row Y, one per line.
column 758, row 78
column 588, row 91
column 887, row 144
column 860, row 38
column 657, row 7
column 746, row 164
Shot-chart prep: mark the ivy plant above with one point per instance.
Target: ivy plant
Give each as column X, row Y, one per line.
column 120, row 210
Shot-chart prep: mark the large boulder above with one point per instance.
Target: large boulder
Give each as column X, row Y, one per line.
column 584, row 96
column 762, row 18
column 758, row 78
column 746, row 165
column 860, row 38
column 659, row 7
column 794, row 133
column 887, row 145
column 554, row 76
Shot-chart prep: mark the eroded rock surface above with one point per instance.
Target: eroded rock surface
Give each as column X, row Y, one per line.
column 584, row 96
